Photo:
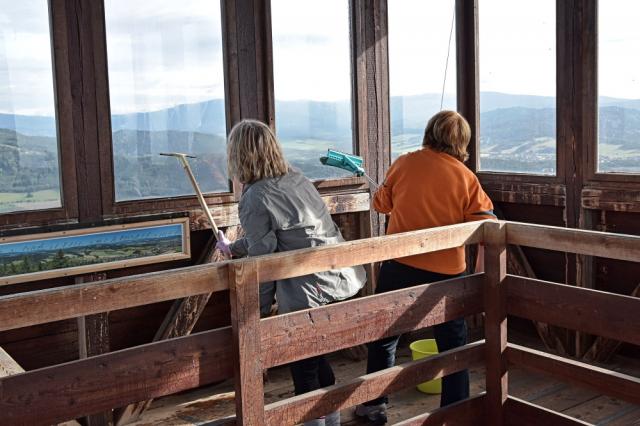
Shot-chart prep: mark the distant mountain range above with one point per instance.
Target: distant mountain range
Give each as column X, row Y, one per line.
column 517, row 131
column 302, row 117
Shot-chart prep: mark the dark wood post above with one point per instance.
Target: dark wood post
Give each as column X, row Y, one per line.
column 93, row 339
column 495, row 325
column 245, row 323
column 468, row 87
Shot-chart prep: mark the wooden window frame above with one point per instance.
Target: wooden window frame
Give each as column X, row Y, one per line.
column 62, row 83
column 467, row 24
column 112, row 207
column 593, row 175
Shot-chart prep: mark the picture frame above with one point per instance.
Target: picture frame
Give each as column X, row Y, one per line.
column 35, row 257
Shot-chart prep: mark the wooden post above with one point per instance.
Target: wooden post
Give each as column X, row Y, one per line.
column 93, row 339
column 495, row 326
column 245, row 323
column 467, row 79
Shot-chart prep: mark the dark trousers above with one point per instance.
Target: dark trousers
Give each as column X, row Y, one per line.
column 311, row 374
column 449, row 335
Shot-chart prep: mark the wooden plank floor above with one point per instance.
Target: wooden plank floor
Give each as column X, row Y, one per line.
column 203, row 406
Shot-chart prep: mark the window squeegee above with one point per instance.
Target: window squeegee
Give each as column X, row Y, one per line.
column 349, row 162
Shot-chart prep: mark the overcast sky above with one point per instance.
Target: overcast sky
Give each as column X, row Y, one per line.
column 167, row 52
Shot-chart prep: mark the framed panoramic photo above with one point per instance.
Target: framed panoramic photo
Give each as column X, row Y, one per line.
column 79, row 251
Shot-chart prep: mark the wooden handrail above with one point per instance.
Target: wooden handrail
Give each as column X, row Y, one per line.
column 25, row 309
column 577, row 241
column 66, row 391
column 361, row 389
column 523, row 413
column 90, row 385
column 608, row 382
column 308, row 333
column 592, row 311
column 166, row 367
column 469, row 412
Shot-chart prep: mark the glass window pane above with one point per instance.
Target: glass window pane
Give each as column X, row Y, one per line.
column 167, row 94
column 312, row 81
column 29, row 164
column 518, row 86
column 619, row 86
column 420, row 39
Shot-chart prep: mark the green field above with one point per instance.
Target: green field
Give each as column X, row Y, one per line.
column 38, row 200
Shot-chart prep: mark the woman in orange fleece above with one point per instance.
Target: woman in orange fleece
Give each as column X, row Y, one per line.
column 424, row 189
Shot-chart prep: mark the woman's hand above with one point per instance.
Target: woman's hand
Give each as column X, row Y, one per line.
column 223, row 244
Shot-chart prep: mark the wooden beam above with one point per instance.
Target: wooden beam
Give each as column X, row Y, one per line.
column 364, row 388
column 517, row 264
column 469, row 412
column 93, row 339
column 244, row 297
column 303, row 334
column 302, row 262
column 523, row 413
column 609, row 198
column 24, row 309
column 8, row 366
column 161, row 368
column 596, row 312
column 495, row 324
column 591, row 243
column 180, row 320
column 227, row 214
column 545, row 194
column 467, row 79
column 603, row 349
column 21, row 310
column 95, row 384
column 610, row 383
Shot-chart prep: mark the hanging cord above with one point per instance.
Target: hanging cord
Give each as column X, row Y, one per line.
column 446, row 65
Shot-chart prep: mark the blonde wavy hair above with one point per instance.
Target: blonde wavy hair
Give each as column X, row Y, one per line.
column 448, row 132
column 253, row 152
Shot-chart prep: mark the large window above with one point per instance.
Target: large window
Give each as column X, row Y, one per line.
column 518, row 86
column 29, row 163
column 619, row 86
column 167, row 94
column 312, row 81
column 422, row 52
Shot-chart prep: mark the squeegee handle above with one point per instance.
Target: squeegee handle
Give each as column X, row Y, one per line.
column 372, row 182
column 201, row 199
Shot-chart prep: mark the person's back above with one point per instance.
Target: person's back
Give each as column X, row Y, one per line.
column 281, row 210
column 426, row 189
column 297, row 212
column 286, row 213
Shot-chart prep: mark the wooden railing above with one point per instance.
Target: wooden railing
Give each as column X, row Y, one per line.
column 249, row 345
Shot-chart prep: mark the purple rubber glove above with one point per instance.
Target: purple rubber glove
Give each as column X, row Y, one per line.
column 223, row 244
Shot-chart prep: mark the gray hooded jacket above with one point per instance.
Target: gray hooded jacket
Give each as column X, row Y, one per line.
column 287, row 213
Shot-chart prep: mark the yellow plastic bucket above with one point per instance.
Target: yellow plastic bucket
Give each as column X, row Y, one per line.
column 421, row 349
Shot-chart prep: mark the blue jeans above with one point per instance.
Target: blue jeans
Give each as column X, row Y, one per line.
column 449, row 335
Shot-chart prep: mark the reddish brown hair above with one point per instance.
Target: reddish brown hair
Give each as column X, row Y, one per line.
column 448, row 132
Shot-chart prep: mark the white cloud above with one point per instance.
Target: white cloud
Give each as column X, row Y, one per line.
column 311, row 49
column 167, row 52
column 418, row 43
column 517, row 43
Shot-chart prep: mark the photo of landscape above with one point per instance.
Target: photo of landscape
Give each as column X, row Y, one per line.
column 108, row 247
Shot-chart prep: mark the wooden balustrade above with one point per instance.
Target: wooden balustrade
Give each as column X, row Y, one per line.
column 249, row 345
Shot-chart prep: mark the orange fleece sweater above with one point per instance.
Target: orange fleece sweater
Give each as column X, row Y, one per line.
column 426, row 189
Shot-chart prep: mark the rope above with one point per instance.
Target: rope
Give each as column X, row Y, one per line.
column 446, row 65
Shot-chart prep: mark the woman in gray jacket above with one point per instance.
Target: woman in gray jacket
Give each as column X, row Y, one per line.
column 281, row 210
